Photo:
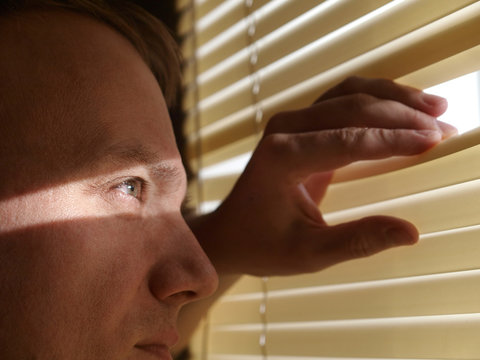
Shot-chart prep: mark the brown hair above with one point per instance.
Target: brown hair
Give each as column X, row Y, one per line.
column 149, row 36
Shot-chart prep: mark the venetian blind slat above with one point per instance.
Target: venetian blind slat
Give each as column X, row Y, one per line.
column 398, row 58
column 447, row 164
column 446, row 251
column 319, row 21
column 444, row 258
column 440, row 294
column 333, row 49
column 439, row 336
column 261, row 22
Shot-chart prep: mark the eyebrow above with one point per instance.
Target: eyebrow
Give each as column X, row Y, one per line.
column 128, row 154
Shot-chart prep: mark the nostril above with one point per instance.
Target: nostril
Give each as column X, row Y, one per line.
column 188, row 295
column 183, row 297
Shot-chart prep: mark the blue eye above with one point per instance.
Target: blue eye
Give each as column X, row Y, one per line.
column 131, row 187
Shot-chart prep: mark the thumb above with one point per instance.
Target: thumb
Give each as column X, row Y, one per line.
column 364, row 237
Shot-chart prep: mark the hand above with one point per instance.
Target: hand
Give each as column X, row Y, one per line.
column 270, row 224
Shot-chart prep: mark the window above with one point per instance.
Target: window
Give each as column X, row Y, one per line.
column 246, row 60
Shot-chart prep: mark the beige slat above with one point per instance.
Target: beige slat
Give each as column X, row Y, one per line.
column 188, row 47
column 246, row 285
column 440, row 294
column 235, row 148
column 431, row 211
column 197, row 344
column 246, row 341
column 234, row 357
column 449, row 251
column 181, row 5
column 265, row 20
column 219, row 137
column 193, row 199
column 185, row 21
column 452, row 67
column 443, row 294
column 431, row 44
column 418, row 50
column 241, row 304
column 203, row 7
column 304, row 63
column 444, row 171
column 222, row 17
column 420, row 174
column 242, row 311
column 446, row 337
column 465, row 62
column 258, row 357
column 189, row 125
column 335, row 358
column 320, row 21
column 225, row 43
column 188, row 84
column 225, row 14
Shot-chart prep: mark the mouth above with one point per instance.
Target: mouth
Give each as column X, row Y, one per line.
column 156, row 351
column 158, row 346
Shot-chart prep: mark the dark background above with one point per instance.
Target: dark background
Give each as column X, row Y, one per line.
column 162, row 9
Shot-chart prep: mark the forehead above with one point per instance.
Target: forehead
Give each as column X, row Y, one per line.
column 72, row 87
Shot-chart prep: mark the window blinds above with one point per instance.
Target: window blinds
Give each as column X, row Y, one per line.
column 246, row 60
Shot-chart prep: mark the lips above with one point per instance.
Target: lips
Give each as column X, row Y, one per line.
column 158, row 351
column 160, row 344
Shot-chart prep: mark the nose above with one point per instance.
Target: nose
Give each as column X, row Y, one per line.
column 183, row 273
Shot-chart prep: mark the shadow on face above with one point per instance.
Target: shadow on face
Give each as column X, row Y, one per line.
column 94, row 254
column 70, row 87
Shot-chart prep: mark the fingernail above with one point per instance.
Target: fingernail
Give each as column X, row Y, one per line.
column 436, row 105
column 447, row 129
column 433, row 100
column 434, row 135
column 397, row 236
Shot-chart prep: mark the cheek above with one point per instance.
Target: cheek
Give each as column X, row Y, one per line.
column 72, row 283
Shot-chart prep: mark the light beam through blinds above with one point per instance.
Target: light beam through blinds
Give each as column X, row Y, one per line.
column 246, row 60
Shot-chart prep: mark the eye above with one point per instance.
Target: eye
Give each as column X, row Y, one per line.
column 131, row 187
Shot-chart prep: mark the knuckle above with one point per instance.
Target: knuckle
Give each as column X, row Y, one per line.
column 417, row 119
column 421, row 120
column 351, row 83
column 278, row 146
column 349, row 138
column 345, row 141
column 385, row 83
column 361, row 245
column 275, row 124
column 388, row 137
column 364, row 241
column 359, row 102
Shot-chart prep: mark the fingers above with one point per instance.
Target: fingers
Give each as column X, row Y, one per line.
column 361, row 238
column 307, row 153
column 356, row 110
column 387, row 89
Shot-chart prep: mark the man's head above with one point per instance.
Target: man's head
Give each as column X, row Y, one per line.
column 95, row 258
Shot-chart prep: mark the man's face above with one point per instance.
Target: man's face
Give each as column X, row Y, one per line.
column 95, row 258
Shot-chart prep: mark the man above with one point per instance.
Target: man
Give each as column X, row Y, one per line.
column 96, row 260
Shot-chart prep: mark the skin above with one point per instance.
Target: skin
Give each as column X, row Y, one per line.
column 95, row 257
column 279, row 228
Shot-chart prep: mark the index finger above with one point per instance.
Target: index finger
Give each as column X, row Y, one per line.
column 389, row 90
column 308, row 153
